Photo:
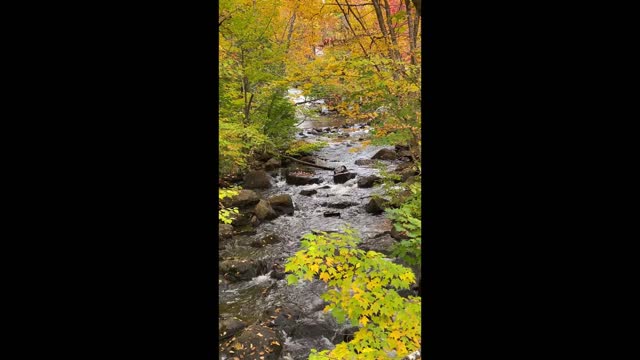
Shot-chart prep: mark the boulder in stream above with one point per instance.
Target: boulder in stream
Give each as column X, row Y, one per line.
column 282, row 204
column 272, row 164
column 243, row 199
column 382, row 244
column 301, row 178
column 264, row 211
column 255, row 342
column 257, row 179
column 331, row 214
column 266, row 240
column 235, row 270
column 368, row 181
column 225, row 231
column 376, row 205
column 343, row 177
column 385, row 154
column 230, row 327
column 339, row 205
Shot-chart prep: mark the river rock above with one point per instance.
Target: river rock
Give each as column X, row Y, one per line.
column 235, row 270
column 225, row 231
column 331, row 214
column 385, row 154
column 245, row 230
column 242, row 219
column 405, row 154
column 272, row 164
column 282, row 204
column 266, row 240
column 255, row 342
column 382, row 244
column 264, row 211
column 243, row 199
column 365, row 162
column 308, row 192
column 343, row 177
column 368, row 181
column 283, row 318
column 230, row 327
column 339, row 205
column 277, row 272
column 340, row 169
column 257, row 179
column 323, row 325
column 298, row 178
column 376, row 205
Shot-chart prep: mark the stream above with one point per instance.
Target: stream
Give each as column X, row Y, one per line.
column 256, row 301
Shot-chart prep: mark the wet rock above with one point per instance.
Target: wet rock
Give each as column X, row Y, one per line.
column 299, row 178
column 225, row 231
column 406, row 154
column 242, row 219
column 365, row 162
column 340, row 169
column 277, row 272
column 246, row 230
column 331, row 214
column 325, row 187
column 320, row 326
column 401, row 147
column 385, row 154
column 269, row 239
column 382, row 244
column 235, row 270
column 339, row 205
column 257, row 179
column 264, row 211
column 255, row 221
column 282, row 204
column 402, row 167
column 272, row 164
column 230, row 327
column 256, row 342
column 308, row 192
column 301, row 348
column 368, row 181
column 283, row 318
column 376, row 205
column 343, row 177
column 243, row 199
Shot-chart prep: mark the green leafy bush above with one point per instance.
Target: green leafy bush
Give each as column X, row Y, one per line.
column 362, row 289
column 302, row 148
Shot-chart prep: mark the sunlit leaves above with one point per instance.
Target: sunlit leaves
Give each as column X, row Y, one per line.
column 363, row 290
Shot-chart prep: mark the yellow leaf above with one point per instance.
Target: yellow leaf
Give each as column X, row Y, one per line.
column 329, row 261
column 364, row 320
column 324, row 276
column 314, row 268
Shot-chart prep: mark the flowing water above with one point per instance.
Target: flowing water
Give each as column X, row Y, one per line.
column 249, row 300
